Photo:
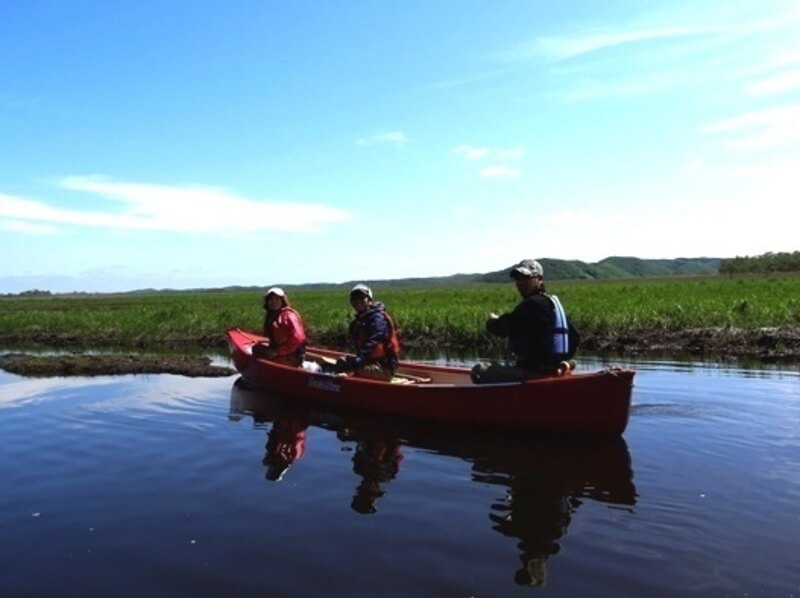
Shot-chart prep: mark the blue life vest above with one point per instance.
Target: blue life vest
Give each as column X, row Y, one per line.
column 560, row 342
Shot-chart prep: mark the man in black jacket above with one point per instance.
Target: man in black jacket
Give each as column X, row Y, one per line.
column 537, row 330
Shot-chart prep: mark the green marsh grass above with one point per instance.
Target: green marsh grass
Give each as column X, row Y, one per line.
column 452, row 316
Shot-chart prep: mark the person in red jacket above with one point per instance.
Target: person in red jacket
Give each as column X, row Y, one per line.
column 283, row 326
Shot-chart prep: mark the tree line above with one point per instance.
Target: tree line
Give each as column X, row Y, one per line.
column 761, row 264
column 29, row 293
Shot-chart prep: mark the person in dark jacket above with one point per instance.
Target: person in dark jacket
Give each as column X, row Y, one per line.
column 375, row 338
column 537, row 330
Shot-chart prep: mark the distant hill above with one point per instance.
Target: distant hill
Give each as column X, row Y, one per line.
column 616, row 267
column 554, row 269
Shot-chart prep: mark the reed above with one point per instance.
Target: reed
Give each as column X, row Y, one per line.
column 452, row 316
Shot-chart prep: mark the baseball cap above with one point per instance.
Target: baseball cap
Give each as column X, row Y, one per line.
column 362, row 289
column 527, row 268
column 275, row 291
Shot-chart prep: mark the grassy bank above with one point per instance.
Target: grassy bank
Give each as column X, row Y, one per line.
column 610, row 315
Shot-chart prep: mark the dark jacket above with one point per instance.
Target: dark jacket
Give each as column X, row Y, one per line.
column 529, row 329
column 372, row 333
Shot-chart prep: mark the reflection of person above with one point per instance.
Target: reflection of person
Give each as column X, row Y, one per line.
column 537, row 329
column 375, row 337
column 377, row 461
column 285, row 444
column 538, row 515
column 545, row 485
column 283, row 326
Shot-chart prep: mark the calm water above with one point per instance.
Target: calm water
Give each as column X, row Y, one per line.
column 164, row 485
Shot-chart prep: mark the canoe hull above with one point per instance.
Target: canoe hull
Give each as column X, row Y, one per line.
column 593, row 404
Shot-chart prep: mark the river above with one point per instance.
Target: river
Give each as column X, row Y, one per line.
column 162, row 485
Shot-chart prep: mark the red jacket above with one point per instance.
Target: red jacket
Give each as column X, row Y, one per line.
column 286, row 333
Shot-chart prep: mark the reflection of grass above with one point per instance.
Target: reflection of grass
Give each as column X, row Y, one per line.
column 453, row 316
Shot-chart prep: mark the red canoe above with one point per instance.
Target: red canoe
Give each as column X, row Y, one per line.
column 591, row 404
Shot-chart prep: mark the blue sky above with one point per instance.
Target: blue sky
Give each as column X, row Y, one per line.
column 179, row 145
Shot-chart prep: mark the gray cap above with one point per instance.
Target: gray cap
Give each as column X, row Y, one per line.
column 527, row 268
column 363, row 289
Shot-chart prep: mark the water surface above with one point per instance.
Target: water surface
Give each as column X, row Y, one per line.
column 164, row 485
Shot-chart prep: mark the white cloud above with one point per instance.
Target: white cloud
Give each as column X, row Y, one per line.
column 569, row 46
column 763, row 129
column 663, row 50
column 742, row 223
column 470, row 152
column 779, row 179
column 391, row 137
column 731, row 23
column 780, row 60
column 36, row 390
column 776, row 84
column 29, row 228
column 636, row 85
column 726, row 212
column 692, row 166
column 479, row 78
column 190, row 209
column 499, row 171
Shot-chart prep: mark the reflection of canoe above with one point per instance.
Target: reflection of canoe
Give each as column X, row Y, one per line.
column 541, row 482
column 594, row 404
column 600, row 471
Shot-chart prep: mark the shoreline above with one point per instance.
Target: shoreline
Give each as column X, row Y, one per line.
column 767, row 345
column 81, row 364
